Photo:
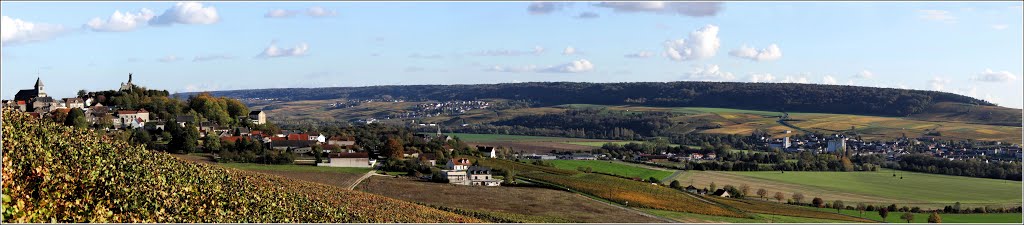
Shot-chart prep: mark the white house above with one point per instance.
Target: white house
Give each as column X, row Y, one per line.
column 359, row 159
column 318, row 137
column 481, row 176
column 132, row 118
column 488, row 151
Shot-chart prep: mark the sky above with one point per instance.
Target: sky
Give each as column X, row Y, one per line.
column 970, row 48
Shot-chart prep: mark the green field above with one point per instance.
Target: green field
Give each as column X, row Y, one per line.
column 294, row 168
column 758, row 218
column 612, row 168
column 505, row 137
column 946, row 218
column 913, row 187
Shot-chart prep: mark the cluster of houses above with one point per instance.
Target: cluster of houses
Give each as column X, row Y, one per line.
column 894, row 148
column 38, row 103
column 461, row 171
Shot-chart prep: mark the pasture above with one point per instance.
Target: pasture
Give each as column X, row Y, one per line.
column 894, row 217
column 609, row 167
column 915, row 189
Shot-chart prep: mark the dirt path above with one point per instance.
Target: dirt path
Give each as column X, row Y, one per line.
column 360, row 180
column 674, row 176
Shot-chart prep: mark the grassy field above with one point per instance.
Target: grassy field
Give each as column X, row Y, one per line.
column 757, row 218
column 894, row 217
column 612, row 168
column 537, row 202
column 915, row 189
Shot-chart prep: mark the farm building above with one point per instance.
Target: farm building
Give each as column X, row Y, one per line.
column 359, row 159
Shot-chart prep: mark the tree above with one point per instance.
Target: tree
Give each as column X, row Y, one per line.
column 838, row 205
column 82, row 93
column 935, row 218
column 653, row 180
column 883, row 212
column 762, row 192
column 892, row 208
column 318, row 153
column 394, row 149
column 798, row 197
column 745, row 189
column 674, row 184
column 861, row 207
column 779, row 196
column 76, row 118
column 211, row 143
column 908, row 216
column 510, row 177
column 713, row 187
column 183, row 139
column 818, row 202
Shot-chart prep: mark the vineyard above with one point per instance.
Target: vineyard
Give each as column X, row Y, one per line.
column 53, row 173
column 756, row 206
column 621, row 191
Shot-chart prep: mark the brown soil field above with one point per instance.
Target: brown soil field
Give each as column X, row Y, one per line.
column 518, row 200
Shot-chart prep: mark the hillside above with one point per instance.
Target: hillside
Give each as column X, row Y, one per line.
column 968, row 113
column 53, row 173
column 788, row 97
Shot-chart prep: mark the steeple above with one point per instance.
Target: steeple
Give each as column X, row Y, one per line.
column 439, row 130
column 39, row 83
column 129, row 78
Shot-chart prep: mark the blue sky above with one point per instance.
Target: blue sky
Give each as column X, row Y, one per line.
column 968, row 48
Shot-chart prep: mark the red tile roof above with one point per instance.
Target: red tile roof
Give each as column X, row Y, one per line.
column 462, row 161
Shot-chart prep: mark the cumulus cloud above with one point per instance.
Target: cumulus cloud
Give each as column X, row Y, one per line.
column 577, row 66
column 801, row 79
column 702, row 43
column 766, row 54
column 936, row 15
column 708, row 73
column 569, row 51
column 273, row 51
column 694, row 9
column 17, row 31
column 994, row 76
column 120, row 22
column 865, row 74
column 317, row 11
column 761, row 77
column 588, row 15
column 938, row 83
column 281, row 13
column 187, row 13
column 169, row 58
column 828, row 79
column 641, row 54
column 504, row 52
column 539, row 8
column 212, row 57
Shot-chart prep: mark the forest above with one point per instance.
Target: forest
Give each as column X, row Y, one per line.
column 788, row 97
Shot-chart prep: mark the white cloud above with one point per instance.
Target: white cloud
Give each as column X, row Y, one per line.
column 641, row 54
column 273, row 51
column 936, row 15
column 421, row 56
column 187, row 13
column 708, row 73
column 865, row 74
column 802, row 79
column 938, row 83
column 766, row 54
column 694, row 9
column 317, row 11
column 828, row 79
column 17, row 31
column 569, row 51
column 702, row 43
column 1000, row 26
column 588, row 15
column 504, row 52
column 281, row 13
column 577, row 66
column 761, row 77
column 994, row 76
column 169, row 58
column 509, row 69
column 538, row 8
column 212, row 57
column 120, row 22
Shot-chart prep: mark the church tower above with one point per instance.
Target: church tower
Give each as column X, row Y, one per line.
column 39, row 88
